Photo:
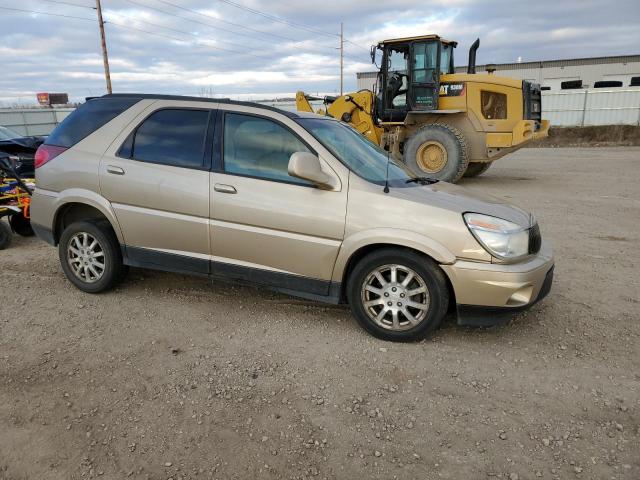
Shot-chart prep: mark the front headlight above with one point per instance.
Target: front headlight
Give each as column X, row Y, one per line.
column 501, row 238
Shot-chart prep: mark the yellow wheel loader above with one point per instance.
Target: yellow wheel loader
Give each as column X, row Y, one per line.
column 442, row 124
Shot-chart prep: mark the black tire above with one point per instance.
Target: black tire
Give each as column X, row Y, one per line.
column 453, row 143
column 5, row 235
column 477, row 168
column 433, row 279
column 21, row 225
column 102, row 232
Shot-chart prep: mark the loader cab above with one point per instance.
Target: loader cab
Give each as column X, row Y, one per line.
column 409, row 77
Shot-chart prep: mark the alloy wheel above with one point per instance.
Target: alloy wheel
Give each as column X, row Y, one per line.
column 85, row 256
column 395, row 297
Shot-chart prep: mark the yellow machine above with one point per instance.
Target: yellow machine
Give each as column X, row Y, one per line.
column 441, row 124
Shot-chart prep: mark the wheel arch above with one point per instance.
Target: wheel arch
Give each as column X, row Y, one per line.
column 365, row 250
column 73, row 207
column 358, row 245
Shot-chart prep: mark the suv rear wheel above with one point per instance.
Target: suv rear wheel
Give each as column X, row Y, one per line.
column 90, row 256
column 398, row 294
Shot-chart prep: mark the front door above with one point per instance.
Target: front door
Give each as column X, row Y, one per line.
column 395, row 83
column 425, row 76
column 158, row 184
column 266, row 226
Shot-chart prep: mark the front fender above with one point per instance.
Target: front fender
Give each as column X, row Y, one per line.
column 388, row 237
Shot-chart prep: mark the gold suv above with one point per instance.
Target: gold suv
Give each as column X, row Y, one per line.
column 296, row 202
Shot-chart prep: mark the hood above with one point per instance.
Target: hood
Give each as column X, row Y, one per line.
column 461, row 200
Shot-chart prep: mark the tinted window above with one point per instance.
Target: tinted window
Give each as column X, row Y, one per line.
column 172, row 137
column 87, row 118
column 259, row 147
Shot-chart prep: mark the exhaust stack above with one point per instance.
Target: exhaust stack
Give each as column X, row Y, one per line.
column 471, row 68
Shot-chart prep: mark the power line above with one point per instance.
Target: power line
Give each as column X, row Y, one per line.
column 226, row 21
column 189, row 19
column 357, row 45
column 173, row 15
column 47, row 13
column 70, row 4
column 278, row 19
column 130, row 27
column 169, row 37
column 188, row 33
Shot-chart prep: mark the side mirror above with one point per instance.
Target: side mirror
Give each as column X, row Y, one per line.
column 307, row 166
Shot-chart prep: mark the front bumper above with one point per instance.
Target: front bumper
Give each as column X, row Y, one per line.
column 490, row 293
column 523, row 132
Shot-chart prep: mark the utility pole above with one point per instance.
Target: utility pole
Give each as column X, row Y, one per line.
column 341, row 56
column 105, row 57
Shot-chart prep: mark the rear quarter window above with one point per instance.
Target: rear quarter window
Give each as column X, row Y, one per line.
column 88, row 118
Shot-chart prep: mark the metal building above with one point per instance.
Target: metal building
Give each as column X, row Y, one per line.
column 552, row 73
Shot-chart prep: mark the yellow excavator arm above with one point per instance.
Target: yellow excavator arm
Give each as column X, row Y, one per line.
column 354, row 108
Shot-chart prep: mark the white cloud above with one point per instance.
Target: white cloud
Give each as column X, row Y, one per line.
column 183, row 53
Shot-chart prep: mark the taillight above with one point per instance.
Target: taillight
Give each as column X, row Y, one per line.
column 46, row 153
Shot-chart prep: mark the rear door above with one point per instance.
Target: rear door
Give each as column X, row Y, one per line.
column 156, row 175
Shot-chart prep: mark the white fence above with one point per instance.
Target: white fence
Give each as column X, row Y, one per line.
column 593, row 106
column 565, row 108
column 33, row 121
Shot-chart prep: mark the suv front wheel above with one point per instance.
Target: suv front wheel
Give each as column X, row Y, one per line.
column 398, row 294
column 90, row 256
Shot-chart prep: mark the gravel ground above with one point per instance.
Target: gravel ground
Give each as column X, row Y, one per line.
column 177, row 377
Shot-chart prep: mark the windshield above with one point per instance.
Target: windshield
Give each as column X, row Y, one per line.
column 361, row 156
column 7, row 134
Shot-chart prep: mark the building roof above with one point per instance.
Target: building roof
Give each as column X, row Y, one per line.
column 544, row 63
column 560, row 63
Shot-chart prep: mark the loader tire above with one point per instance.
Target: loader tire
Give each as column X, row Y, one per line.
column 437, row 151
column 477, row 168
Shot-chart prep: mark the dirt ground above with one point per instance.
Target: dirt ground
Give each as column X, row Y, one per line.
column 591, row 136
column 175, row 377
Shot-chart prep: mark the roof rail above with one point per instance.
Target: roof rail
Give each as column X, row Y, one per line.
column 199, row 99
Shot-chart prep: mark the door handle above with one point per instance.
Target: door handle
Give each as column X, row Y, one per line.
column 115, row 170
column 222, row 188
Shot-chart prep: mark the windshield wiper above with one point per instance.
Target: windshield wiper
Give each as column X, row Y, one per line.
column 423, row 180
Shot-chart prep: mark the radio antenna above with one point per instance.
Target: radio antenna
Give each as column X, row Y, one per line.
column 386, row 179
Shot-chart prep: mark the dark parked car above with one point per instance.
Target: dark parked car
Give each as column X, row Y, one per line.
column 24, row 148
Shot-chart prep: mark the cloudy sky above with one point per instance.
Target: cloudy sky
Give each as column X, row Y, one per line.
column 269, row 48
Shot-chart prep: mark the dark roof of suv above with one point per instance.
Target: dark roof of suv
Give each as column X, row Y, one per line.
column 198, row 99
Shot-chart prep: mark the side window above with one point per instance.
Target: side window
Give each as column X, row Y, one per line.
column 88, row 118
column 424, row 62
column 171, row 137
column 494, row 105
column 259, row 147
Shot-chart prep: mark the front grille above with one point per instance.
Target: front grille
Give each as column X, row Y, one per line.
column 532, row 101
column 535, row 239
